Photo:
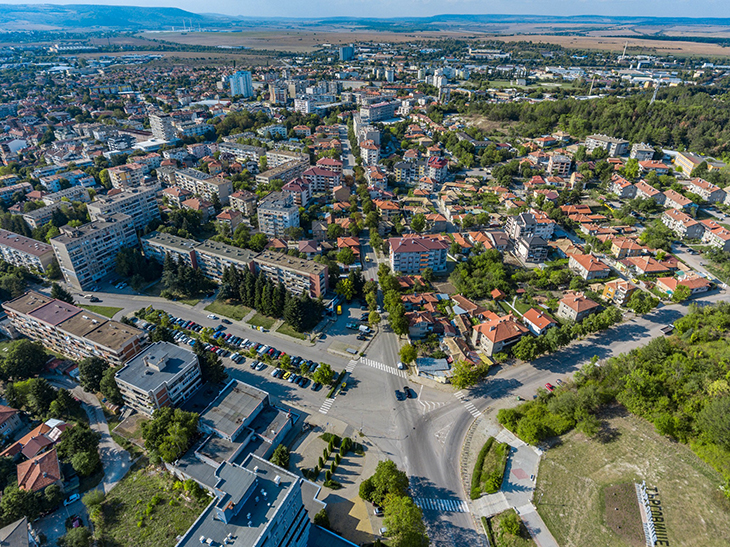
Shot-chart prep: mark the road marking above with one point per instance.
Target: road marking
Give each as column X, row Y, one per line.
column 385, row 368
column 444, row 505
column 325, row 408
column 474, row 411
column 351, row 366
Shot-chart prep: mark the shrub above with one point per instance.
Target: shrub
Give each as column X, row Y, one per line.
column 327, row 475
column 338, row 459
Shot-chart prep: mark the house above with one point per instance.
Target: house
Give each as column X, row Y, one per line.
column 341, row 193
column 621, row 187
column 310, row 248
column 498, row 334
column 204, row 207
column 37, row 440
column 588, row 266
column 694, row 284
column 176, row 195
column 682, row 224
column 716, row 235
column 650, row 165
column 645, row 190
column 622, row 247
column 9, row 421
column 537, row 321
column 706, row 190
column 39, row 472
column 464, row 305
column 645, row 265
column 436, row 222
column 576, row 307
column 420, row 323
column 675, row 200
column 17, row 534
column 532, row 249
column 619, row 291
column 231, row 218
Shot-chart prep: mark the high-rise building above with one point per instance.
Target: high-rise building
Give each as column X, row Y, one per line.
column 241, row 84
column 276, row 213
column 162, row 126
column 347, row 53
column 138, row 203
column 25, row 252
column 88, row 254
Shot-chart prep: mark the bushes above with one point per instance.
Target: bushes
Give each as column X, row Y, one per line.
column 476, row 477
column 493, row 468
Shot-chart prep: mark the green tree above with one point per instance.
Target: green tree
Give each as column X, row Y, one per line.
column 324, row 374
column 642, row 302
column 681, row 293
column 408, row 354
column 86, row 463
column 322, row 520
column 464, row 374
column 91, row 372
column 17, row 503
column 280, row 456
column 346, row 256
column 334, row 231
column 77, row 440
column 76, row 537
column 40, row 396
column 345, row 288
column 109, row 388
column 170, row 432
column 404, row 522
column 511, row 524
column 52, row 497
column 57, row 291
column 387, row 480
column 714, row 419
column 373, row 318
column 418, row 223
column 24, row 359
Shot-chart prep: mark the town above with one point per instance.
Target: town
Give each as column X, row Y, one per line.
column 373, row 293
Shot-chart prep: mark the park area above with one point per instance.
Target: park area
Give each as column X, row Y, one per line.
column 585, row 486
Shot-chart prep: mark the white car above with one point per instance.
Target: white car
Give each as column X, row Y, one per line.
column 211, row 316
column 401, row 366
column 72, row 498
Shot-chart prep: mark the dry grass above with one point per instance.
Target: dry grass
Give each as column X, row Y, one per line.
column 574, row 478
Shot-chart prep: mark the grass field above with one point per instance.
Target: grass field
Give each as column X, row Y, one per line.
column 106, row 311
column 125, row 507
column 576, row 474
column 287, row 329
column 237, row 313
column 259, row 320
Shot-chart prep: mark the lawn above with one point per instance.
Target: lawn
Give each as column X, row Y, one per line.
column 287, row 329
column 578, row 478
column 499, row 537
column 259, row 320
column 127, row 505
column 489, row 468
column 232, row 311
column 106, row 311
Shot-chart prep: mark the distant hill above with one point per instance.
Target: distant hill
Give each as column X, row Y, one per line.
column 71, row 16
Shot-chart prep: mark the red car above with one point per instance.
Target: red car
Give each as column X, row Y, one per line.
column 549, row 387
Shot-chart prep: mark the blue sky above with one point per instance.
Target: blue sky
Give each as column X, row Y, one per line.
column 415, row 8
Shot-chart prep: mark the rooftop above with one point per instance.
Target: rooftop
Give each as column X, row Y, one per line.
column 290, row 262
column 226, row 251
column 156, row 364
column 25, row 244
column 69, row 235
column 171, row 241
column 233, row 406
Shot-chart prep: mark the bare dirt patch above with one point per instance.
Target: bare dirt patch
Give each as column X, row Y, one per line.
column 622, row 513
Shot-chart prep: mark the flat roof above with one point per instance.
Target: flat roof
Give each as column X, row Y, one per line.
column 112, row 335
column 82, row 324
column 72, row 234
column 226, row 251
column 233, row 406
column 283, row 260
column 236, row 481
column 55, row 312
column 24, row 244
column 171, row 241
column 146, row 378
column 27, row 302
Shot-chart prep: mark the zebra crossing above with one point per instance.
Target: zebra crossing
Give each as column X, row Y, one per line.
column 351, row 365
column 474, row 411
column 445, row 505
column 385, row 368
column 325, row 408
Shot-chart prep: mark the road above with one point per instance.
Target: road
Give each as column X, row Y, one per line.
column 348, row 159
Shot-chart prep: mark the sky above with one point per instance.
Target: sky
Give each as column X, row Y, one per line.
column 422, row 8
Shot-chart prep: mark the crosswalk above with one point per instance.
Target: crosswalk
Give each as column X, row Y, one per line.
column 474, row 411
column 444, row 505
column 384, row 368
column 325, row 408
column 351, row 365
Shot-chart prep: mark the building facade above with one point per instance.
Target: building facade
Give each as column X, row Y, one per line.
column 25, row 252
column 412, row 255
column 138, row 203
column 276, row 213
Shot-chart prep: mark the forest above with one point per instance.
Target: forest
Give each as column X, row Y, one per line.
column 678, row 383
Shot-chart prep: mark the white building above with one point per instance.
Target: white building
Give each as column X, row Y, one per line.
column 241, row 84
column 277, row 212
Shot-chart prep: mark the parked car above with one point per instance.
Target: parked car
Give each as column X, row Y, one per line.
column 401, row 366
column 316, row 386
column 408, row 392
column 549, row 387
column 211, row 316
column 226, row 321
column 72, row 498
column 275, row 372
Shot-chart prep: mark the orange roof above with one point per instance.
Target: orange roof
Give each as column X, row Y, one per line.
column 38, row 472
column 578, row 302
column 501, row 329
column 589, row 263
column 538, row 318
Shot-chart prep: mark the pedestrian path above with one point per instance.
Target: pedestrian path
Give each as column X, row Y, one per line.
column 385, row 368
column 443, row 505
column 325, row 408
column 474, row 411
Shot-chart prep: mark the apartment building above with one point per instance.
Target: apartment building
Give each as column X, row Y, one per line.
column 275, row 158
column 284, row 172
column 532, row 248
column 528, row 224
column 176, row 196
column 162, row 126
column 619, row 291
column 298, row 275
column 675, row 200
column 129, row 175
column 369, row 152
column 644, row 190
column 54, row 183
column 244, row 201
column 688, row 161
column 378, row 112
column 682, row 224
column 614, row 147
column 320, row 179
column 75, row 193
column 706, row 190
column 73, row 331
column 300, row 190
column 157, row 245
column 213, row 258
column 88, row 254
column 559, row 165
column 277, row 212
column 642, row 152
column 138, row 203
column 331, row 164
column 40, row 217
column 164, row 374
column 7, row 192
column 25, row 252
column 438, row 168
column 621, row 187
column 716, row 235
column 204, row 185
column 576, row 307
column 412, row 255
column 242, row 153
column 241, row 84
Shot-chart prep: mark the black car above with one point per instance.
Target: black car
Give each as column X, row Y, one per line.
column 316, row 386
column 408, row 392
column 361, row 337
column 226, row 321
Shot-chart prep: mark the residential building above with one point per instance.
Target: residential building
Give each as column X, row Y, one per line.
column 7, row 192
column 347, row 53
column 498, row 334
column 241, row 84
column 675, row 200
column 686, row 162
column 614, row 147
column 42, row 216
column 706, row 190
column 695, row 284
column 682, row 224
column 204, row 185
column 55, row 183
column 716, row 235
column 25, row 252
column 645, row 265
column 129, row 175
column 176, row 196
column 244, row 201
column 537, row 321
column 622, row 247
column 588, row 266
column 378, row 112
column 9, row 422
column 205, row 208
column 621, row 187
column 276, row 213
column 138, row 203
column 213, row 258
column 528, row 224
column 88, row 254
column 412, row 255
column 72, row 331
column 164, row 374
column 242, row 153
column 576, row 307
column 331, row 164
column 283, row 172
column 300, row 190
column 619, row 291
column 38, row 473
column 157, row 245
column 320, row 179
column 275, row 158
column 230, row 218
column 656, row 166
column 438, row 168
column 298, row 275
column 369, row 152
column 645, row 190
column 559, row 165
column 162, row 126
column 641, row 152
column 532, row 248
